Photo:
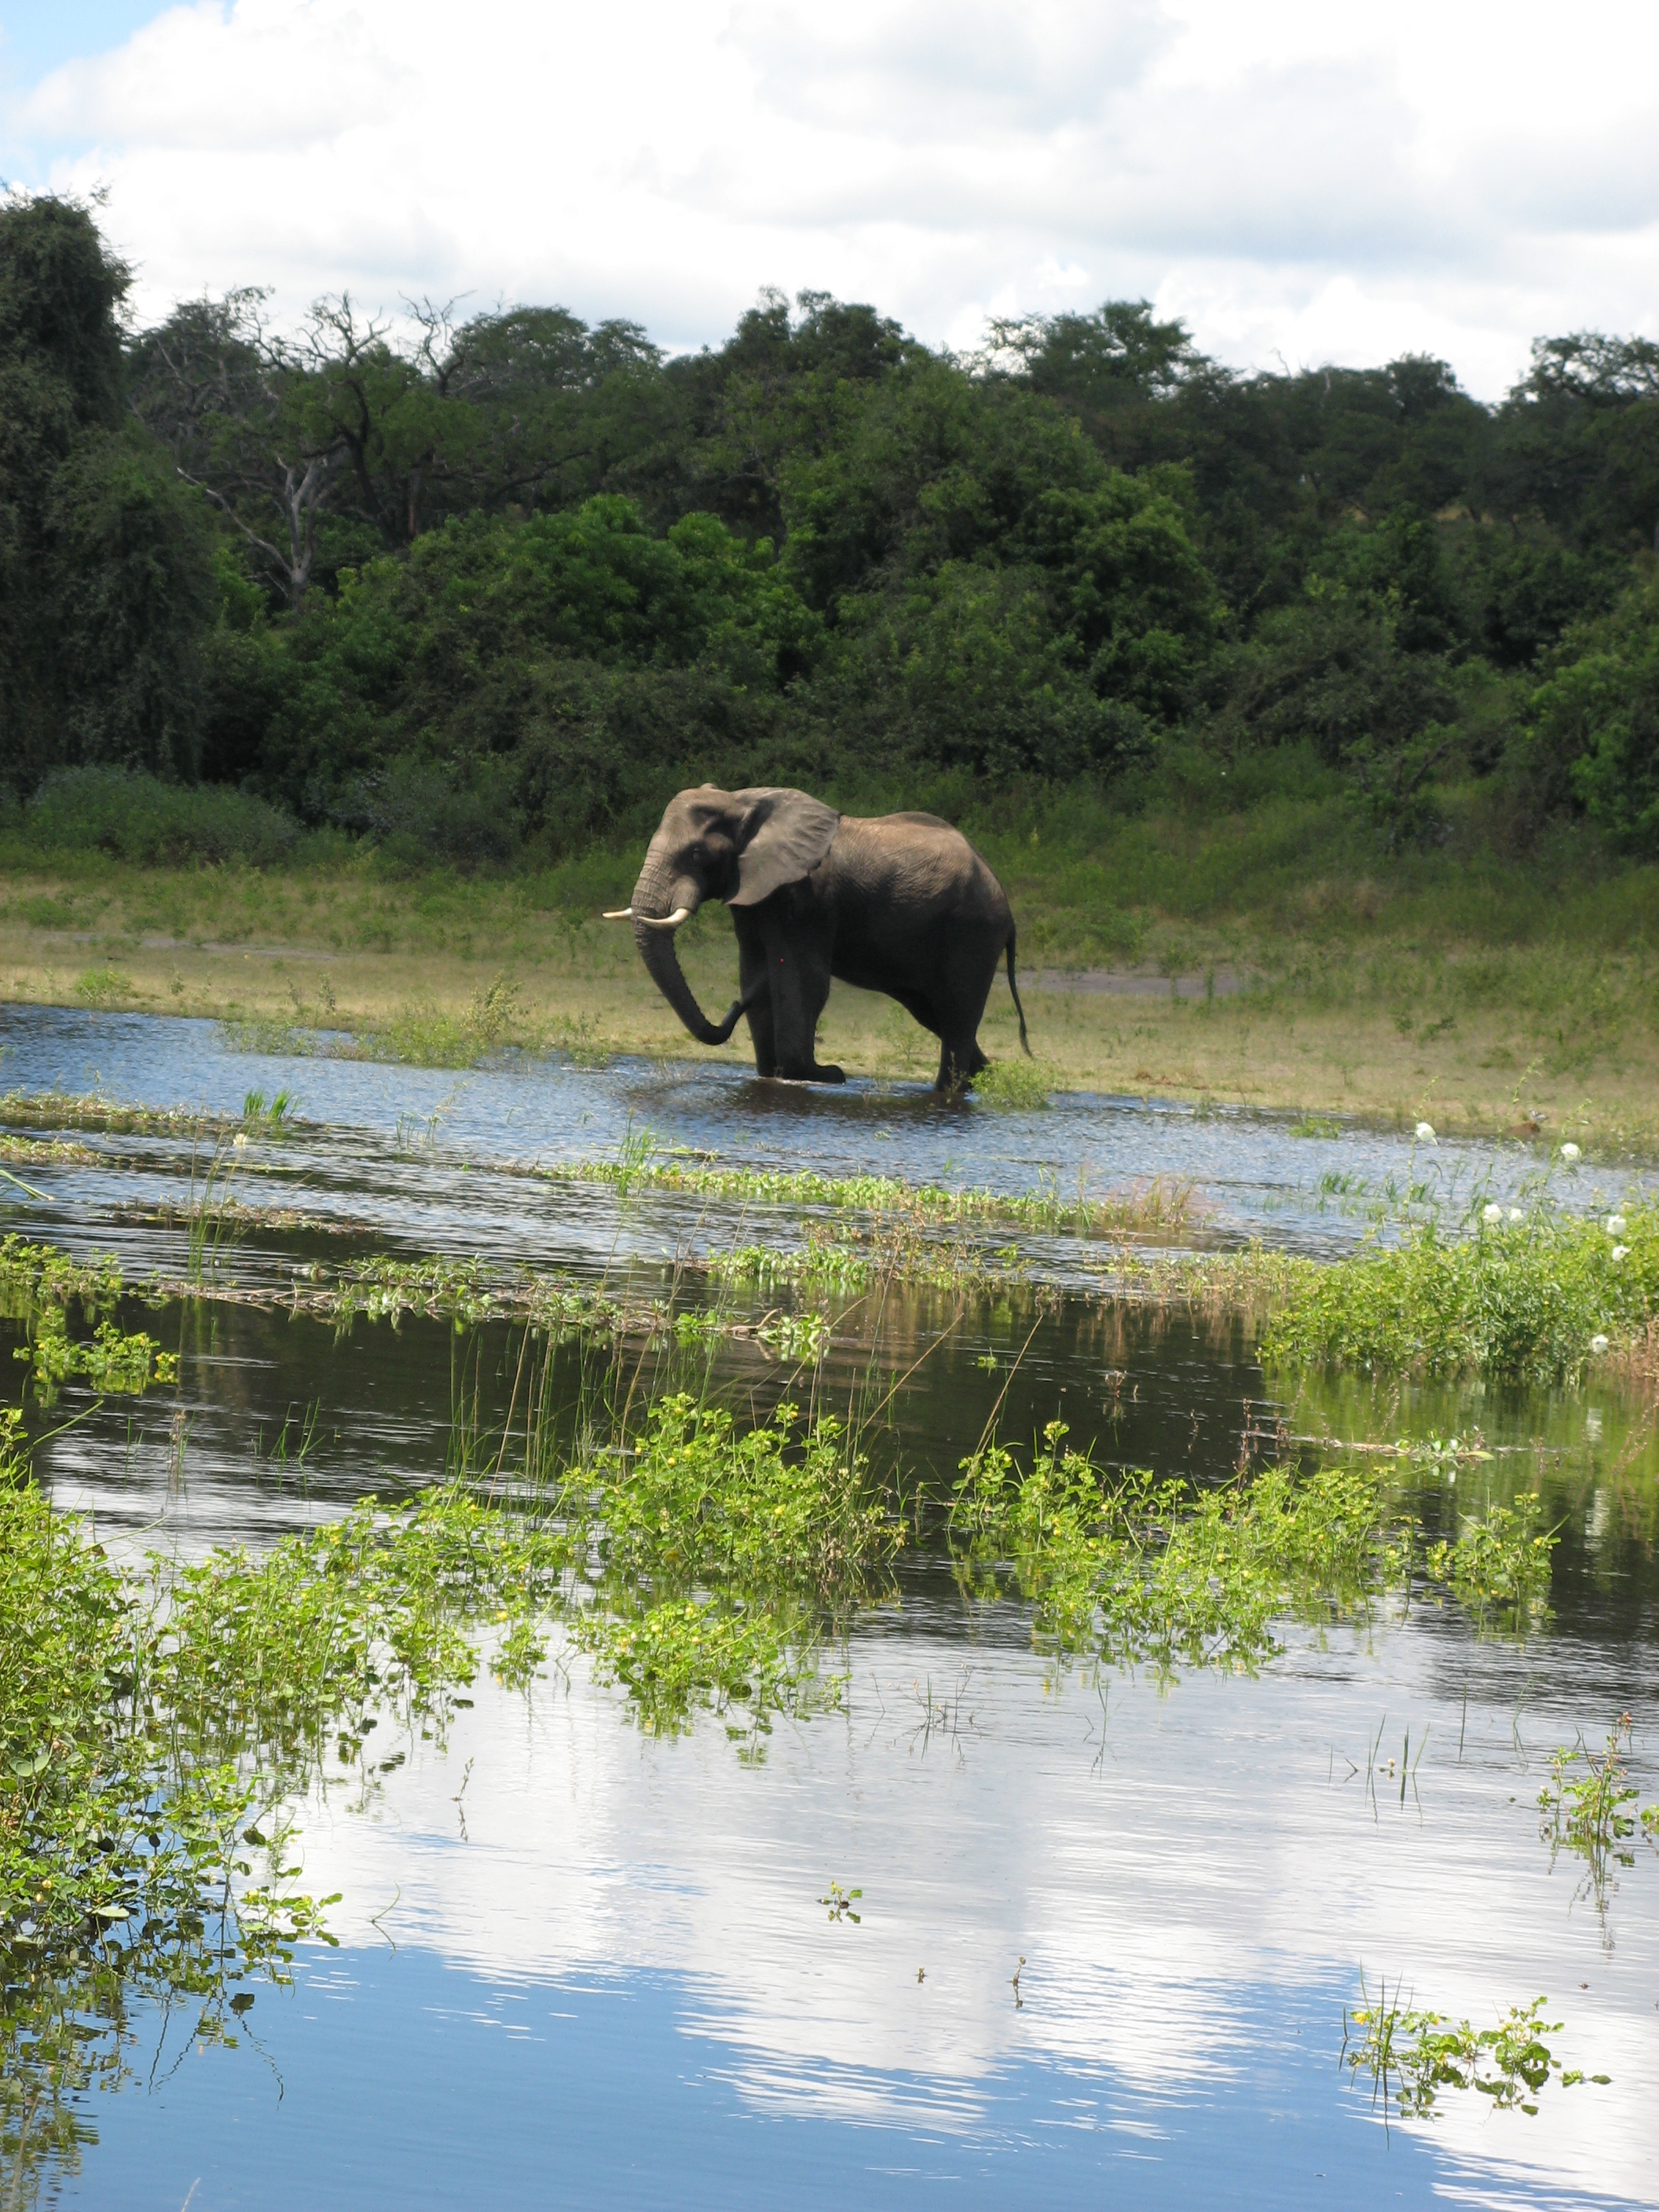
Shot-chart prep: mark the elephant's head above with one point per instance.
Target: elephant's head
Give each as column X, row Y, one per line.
column 738, row 846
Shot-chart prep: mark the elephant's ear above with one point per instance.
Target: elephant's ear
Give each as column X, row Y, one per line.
column 781, row 837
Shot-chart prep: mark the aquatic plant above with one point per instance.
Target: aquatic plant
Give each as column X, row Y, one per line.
column 1162, row 1205
column 1315, row 1125
column 112, row 1359
column 1522, row 1299
column 41, row 1286
column 275, row 1119
column 1015, row 1086
column 1498, row 1567
column 795, row 1336
column 1590, row 1807
column 1413, row 2055
column 1135, row 1570
column 718, row 1561
column 56, row 1109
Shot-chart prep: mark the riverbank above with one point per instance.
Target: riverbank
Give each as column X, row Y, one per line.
column 1245, row 960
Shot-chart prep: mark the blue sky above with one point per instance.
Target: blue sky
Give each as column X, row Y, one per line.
column 34, row 40
column 1299, row 182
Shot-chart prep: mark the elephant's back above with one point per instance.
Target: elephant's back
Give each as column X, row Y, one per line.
column 918, row 864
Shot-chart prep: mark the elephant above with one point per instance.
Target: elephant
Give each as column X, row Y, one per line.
column 900, row 903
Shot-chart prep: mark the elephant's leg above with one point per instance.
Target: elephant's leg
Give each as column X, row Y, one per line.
column 799, row 965
column 752, row 966
column 959, row 1061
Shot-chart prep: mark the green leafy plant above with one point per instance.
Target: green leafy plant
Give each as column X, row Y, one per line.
column 1536, row 1299
column 1413, row 2057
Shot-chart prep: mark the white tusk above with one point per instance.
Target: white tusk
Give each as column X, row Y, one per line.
column 665, row 921
column 622, row 913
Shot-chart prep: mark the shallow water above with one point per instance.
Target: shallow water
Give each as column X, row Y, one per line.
column 581, row 1966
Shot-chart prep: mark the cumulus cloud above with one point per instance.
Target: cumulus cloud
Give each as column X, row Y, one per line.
column 1324, row 184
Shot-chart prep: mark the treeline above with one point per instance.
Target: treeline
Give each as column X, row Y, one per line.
column 510, row 580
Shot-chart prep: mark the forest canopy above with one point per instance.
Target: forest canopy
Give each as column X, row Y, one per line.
column 505, row 581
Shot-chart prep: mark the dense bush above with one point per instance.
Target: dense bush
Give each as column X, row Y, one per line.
column 139, row 819
column 1526, row 1299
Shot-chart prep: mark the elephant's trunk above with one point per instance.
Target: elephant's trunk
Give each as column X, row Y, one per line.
column 656, row 897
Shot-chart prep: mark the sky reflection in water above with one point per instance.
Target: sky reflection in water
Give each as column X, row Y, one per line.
column 613, row 1981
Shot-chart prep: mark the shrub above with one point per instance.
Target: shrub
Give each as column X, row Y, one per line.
column 140, row 819
column 1524, row 1300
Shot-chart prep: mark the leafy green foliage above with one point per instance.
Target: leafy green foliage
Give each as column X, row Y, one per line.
column 41, row 1286
column 1499, row 1566
column 718, row 1562
column 1414, row 2055
column 140, row 819
column 1161, row 1204
column 506, row 584
column 1133, row 1570
column 1525, row 1299
column 1588, row 1807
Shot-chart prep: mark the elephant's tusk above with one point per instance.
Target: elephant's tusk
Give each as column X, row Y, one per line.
column 620, row 914
column 665, row 921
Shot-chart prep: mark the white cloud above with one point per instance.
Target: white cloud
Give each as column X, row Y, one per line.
column 1315, row 183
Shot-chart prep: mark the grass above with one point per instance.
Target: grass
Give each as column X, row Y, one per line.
column 1489, row 992
column 1159, row 1206
column 1541, row 1299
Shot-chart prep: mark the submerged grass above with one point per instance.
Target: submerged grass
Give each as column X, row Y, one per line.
column 1161, row 1206
column 1538, row 1300
column 418, row 1034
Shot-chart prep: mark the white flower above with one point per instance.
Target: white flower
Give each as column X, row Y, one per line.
column 1620, row 1251
column 1570, row 1152
column 1493, row 1213
column 1615, row 1225
column 239, row 1142
column 1425, row 1132
column 1598, row 1344
column 1516, row 1214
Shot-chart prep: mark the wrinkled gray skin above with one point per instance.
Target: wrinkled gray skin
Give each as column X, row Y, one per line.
column 898, row 902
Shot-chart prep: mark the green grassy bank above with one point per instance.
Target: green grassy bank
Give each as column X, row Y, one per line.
column 1234, row 934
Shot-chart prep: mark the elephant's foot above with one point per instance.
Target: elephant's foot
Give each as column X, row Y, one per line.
column 959, row 1064
column 811, row 1073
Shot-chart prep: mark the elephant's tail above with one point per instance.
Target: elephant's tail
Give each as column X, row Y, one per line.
column 1014, row 987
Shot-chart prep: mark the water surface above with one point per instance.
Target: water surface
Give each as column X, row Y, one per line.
column 582, row 1965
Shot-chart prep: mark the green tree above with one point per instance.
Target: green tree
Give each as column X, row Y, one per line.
column 105, row 560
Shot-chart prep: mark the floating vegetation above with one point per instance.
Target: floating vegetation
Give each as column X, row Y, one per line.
column 1536, row 1300
column 1135, row 1570
column 800, row 1337
column 718, row 1562
column 1498, row 1568
column 1412, row 2057
column 838, row 1903
column 110, row 1360
column 40, row 1286
column 843, row 1258
column 1315, row 1125
column 46, row 1152
column 1161, row 1206
column 1590, row 1807
column 56, row 1109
